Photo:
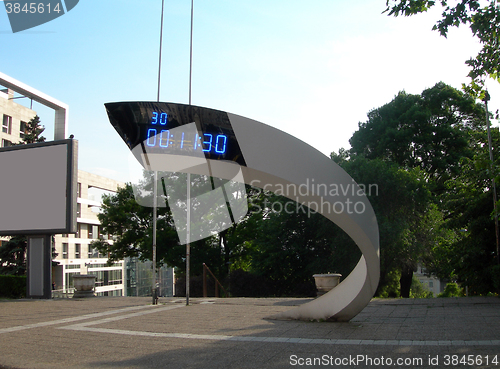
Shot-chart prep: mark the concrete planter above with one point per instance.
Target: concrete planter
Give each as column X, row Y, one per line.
column 84, row 285
column 326, row 282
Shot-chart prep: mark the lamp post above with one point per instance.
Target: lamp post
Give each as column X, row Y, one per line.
column 486, row 99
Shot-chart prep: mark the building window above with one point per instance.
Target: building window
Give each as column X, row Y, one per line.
column 79, row 210
column 431, row 284
column 93, row 253
column 78, row 248
column 22, row 129
column 79, row 190
column 93, row 231
column 7, row 124
column 6, row 143
column 79, row 230
column 65, row 250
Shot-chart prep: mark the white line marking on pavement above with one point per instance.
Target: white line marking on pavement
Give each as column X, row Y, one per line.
column 73, row 319
column 121, row 317
column 215, row 337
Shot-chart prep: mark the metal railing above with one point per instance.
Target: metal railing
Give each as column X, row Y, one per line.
column 217, row 283
column 65, row 293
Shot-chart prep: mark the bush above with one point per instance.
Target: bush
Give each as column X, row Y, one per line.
column 495, row 277
column 418, row 290
column 452, row 290
column 246, row 284
column 12, row 286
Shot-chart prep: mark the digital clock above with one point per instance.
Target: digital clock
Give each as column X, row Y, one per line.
column 176, row 129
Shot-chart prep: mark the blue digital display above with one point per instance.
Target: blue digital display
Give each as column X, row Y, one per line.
column 176, row 129
column 160, row 137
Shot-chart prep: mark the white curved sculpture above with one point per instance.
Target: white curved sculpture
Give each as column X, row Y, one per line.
column 270, row 159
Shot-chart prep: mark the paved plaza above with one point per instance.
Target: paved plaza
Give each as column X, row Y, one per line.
column 128, row 332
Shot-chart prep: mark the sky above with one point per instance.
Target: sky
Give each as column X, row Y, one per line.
column 312, row 69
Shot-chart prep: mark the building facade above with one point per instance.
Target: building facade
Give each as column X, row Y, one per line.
column 75, row 255
column 14, row 118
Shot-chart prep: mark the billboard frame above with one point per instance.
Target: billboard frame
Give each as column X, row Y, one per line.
column 71, row 188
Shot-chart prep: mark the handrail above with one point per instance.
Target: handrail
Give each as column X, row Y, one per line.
column 63, row 293
column 217, row 283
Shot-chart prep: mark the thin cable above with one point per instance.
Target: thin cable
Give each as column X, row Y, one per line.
column 155, row 184
column 191, row 51
column 161, row 42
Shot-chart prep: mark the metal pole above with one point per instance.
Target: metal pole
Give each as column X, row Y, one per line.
column 188, row 236
column 188, row 202
column 497, row 236
column 155, row 192
column 155, row 184
column 191, row 51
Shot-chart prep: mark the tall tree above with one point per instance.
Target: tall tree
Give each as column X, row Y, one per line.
column 13, row 256
column 33, row 131
column 484, row 22
column 431, row 131
column 471, row 258
column 402, row 204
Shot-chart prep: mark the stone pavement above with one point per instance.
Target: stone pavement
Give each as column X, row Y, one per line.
column 128, row 332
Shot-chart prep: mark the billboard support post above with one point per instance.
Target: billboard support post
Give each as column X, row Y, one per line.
column 39, row 260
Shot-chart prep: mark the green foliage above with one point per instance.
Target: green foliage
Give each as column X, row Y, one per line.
column 13, row 256
column 389, row 286
column 452, row 290
column 291, row 245
column 430, row 131
column 247, row 284
column 12, row 286
column 483, row 21
column 33, row 131
column 405, row 215
column 468, row 204
column 419, row 291
column 440, row 133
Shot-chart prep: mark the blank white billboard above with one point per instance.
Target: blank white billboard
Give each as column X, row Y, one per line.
column 38, row 188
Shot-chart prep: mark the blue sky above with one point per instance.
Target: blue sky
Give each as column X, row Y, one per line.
column 312, row 69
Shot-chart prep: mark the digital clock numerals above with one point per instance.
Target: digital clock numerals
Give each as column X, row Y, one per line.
column 206, row 142
column 159, row 118
column 184, row 138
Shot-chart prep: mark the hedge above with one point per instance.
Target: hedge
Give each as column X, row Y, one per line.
column 12, row 286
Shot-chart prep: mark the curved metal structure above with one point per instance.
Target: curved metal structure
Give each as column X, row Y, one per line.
column 236, row 148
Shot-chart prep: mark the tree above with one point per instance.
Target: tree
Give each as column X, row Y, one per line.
column 292, row 243
column 13, row 256
column 404, row 210
column 33, row 131
column 471, row 258
column 484, row 22
column 431, row 131
column 441, row 132
column 132, row 225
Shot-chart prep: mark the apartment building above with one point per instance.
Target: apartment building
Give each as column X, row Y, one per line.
column 75, row 255
column 13, row 117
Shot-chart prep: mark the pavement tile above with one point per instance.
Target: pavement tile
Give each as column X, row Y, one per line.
column 234, row 333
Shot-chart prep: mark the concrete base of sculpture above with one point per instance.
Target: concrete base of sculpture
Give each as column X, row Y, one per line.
column 84, row 285
column 340, row 304
column 326, row 282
